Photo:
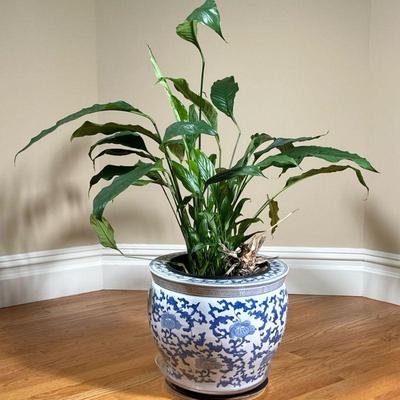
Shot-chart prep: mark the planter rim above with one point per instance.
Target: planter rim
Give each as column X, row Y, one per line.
column 262, row 282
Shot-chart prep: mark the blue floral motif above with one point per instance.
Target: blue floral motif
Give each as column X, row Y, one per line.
column 217, row 343
column 241, row 329
column 169, row 321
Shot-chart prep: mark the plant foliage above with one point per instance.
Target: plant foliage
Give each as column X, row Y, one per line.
column 206, row 198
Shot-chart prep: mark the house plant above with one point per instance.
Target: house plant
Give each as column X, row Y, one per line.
column 218, row 311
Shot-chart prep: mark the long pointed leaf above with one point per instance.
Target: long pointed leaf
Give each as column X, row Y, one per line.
column 223, row 94
column 188, row 180
column 119, row 184
column 104, row 232
column 247, row 170
column 90, row 128
column 188, row 130
column 127, row 138
column 326, row 170
column 284, row 144
column 124, row 152
column 115, row 106
column 278, row 160
column 109, row 172
column 329, row 154
column 209, row 111
column 187, row 30
column 208, row 15
column 177, row 107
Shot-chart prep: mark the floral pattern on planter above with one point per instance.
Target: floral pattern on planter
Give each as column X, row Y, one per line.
column 241, row 329
column 217, row 343
column 169, row 321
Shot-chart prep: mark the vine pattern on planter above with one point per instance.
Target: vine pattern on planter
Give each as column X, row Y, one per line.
column 226, row 342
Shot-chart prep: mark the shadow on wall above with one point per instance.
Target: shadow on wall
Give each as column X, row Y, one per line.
column 47, row 213
column 52, row 210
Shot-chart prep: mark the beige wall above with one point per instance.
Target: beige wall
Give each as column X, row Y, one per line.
column 304, row 67
column 382, row 217
column 47, row 68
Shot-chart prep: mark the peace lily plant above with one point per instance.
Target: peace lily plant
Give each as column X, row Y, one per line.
column 206, row 192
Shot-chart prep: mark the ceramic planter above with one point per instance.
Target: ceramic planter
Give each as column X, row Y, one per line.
column 216, row 337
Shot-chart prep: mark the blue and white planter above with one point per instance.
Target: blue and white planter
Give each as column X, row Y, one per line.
column 217, row 337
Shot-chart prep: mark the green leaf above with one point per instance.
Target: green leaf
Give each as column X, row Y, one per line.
column 208, row 15
column 209, row 111
column 247, row 170
column 188, row 130
column 256, row 141
column 124, row 152
column 177, row 107
column 119, row 184
column 188, row 180
column 109, row 172
column 326, row 170
column 187, row 30
column 245, row 224
column 126, row 138
column 277, row 160
column 177, row 148
column 205, row 165
column 104, row 232
column 284, row 144
column 90, row 128
column 223, row 94
column 273, row 213
column 115, row 106
column 329, row 154
column 193, row 116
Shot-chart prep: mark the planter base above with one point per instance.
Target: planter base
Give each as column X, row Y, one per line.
column 186, row 394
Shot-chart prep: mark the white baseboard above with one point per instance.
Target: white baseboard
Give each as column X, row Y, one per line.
column 326, row 271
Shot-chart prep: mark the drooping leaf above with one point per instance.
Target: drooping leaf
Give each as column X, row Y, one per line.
column 326, row 170
column 90, row 128
column 119, row 184
column 124, row 152
column 223, row 94
column 273, row 213
column 284, row 144
column 188, row 130
column 126, row 138
column 256, row 141
column 329, row 154
column 109, row 172
column 209, row 111
column 104, row 231
column 177, row 107
column 247, row 170
column 188, row 180
column 187, row 30
column 208, row 15
column 115, row 106
column 277, row 160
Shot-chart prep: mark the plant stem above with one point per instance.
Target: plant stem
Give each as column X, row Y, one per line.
column 203, row 66
column 237, row 141
column 262, row 208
